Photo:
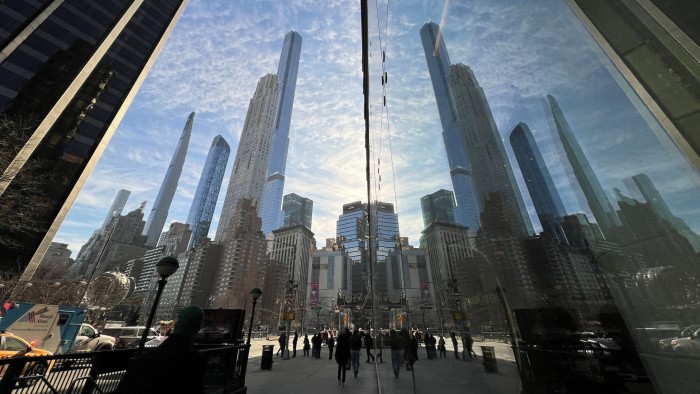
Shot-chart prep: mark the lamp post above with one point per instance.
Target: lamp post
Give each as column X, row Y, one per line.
column 255, row 294
column 165, row 267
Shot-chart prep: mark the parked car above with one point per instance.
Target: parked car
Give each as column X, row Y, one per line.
column 688, row 345
column 13, row 346
column 90, row 339
column 128, row 337
column 665, row 343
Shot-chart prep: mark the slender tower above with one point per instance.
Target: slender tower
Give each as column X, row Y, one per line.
column 548, row 204
column 207, row 193
column 460, row 167
column 595, row 196
column 274, row 187
column 250, row 166
column 159, row 212
column 117, row 207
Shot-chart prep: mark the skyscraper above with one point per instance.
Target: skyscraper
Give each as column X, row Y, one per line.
column 352, row 231
column 159, row 212
column 438, row 207
column 597, row 200
column 250, row 166
column 297, row 210
column 60, row 63
column 207, row 193
column 274, row 187
column 496, row 189
column 548, row 204
column 117, row 206
column 467, row 212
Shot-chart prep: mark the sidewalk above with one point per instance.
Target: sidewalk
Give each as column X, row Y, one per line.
column 444, row 375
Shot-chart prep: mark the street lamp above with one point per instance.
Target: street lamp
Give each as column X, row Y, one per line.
column 255, row 294
column 165, row 267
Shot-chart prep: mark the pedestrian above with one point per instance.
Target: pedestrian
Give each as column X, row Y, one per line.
column 469, row 343
column 342, row 352
column 313, row 346
column 454, row 344
column 369, row 343
column 294, row 343
column 428, row 350
column 317, row 345
column 183, row 366
column 414, row 351
column 441, row 347
column 282, row 340
column 307, row 346
column 407, row 347
column 330, row 342
column 355, row 347
column 380, row 345
column 397, row 351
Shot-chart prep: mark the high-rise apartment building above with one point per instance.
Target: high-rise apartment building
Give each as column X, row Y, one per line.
column 159, row 212
column 548, row 204
column 467, row 211
column 438, row 207
column 204, row 203
column 502, row 207
column 593, row 191
column 298, row 211
column 200, row 276
column 68, row 72
column 249, row 168
column 287, row 71
column 117, row 206
column 291, row 252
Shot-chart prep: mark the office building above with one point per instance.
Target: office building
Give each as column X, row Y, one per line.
column 69, row 71
column 117, row 207
column 467, row 211
column 204, row 203
column 159, row 212
column 438, row 207
column 298, row 211
column 548, row 204
column 200, row 276
column 250, row 165
column 274, row 186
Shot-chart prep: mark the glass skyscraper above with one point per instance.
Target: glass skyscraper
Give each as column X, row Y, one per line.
column 250, row 165
column 298, row 211
column 207, row 193
column 457, row 156
column 68, row 72
column 159, row 212
column 438, row 207
column 274, row 187
column 548, row 204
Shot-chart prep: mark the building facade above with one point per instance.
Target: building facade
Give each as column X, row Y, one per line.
column 298, row 211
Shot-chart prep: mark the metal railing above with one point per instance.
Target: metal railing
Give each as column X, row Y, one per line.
column 101, row 372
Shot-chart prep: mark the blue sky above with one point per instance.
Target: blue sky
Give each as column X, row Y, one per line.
column 519, row 50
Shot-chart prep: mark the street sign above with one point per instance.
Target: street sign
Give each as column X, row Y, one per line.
column 290, row 301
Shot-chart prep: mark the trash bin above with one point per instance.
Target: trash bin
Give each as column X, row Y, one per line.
column 489, row 355
column 266, row 362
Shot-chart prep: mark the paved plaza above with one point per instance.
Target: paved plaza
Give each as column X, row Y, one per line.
column 445, row 375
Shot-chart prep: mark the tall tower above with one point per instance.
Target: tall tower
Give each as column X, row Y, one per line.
column 298, row 211
column 548, row 204
column 597, row 199
column 59, row 63
column 502, row 208
column 117, row 206
column 274, row 187
column 438, row 207
column 250, row 166
column 457, row 155
column 159, row 212
column 207, row 193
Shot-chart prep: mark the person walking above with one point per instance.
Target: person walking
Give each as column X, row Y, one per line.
column 469, row 343
column 428, row 352
column 441, row 347
column 294, row 343
column 355, row 347
column 307, row 345
column 313, row 346
column 317, row 343
column 454, row 344
column 183, row 366
column 369, row 343
column 330, row 342
column 397, row 351
column 342, row 352
column 282, row 340
column 380, row 345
